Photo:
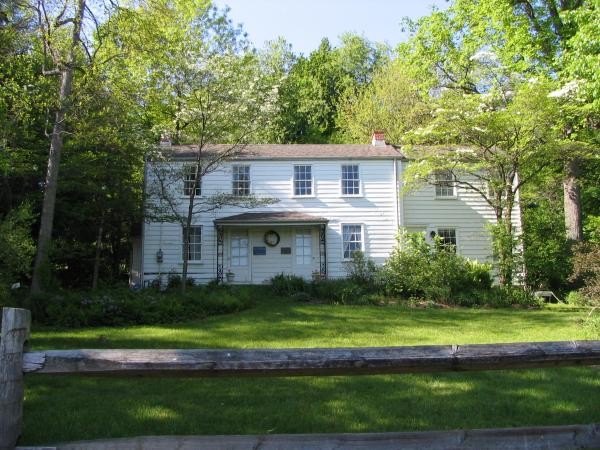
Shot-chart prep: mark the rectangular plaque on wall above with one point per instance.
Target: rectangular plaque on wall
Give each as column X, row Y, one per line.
column 286, row 250
column 259, row 250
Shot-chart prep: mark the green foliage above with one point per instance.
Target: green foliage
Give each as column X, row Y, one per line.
column 121, row 306
column 391, row 102
column 16, row 248
column 417, row 269
column 586, row 270
column 310, row 93
column 287, row 285
column 591, row 324
column 546, row 249
column 361, row 270
column 174, row 281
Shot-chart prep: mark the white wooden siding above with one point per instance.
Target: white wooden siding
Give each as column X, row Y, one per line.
column 468, row 213
column 379, row 209
column 375, row 209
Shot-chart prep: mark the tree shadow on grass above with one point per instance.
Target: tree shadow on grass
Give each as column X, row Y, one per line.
column 325, row 326
column 59, row 409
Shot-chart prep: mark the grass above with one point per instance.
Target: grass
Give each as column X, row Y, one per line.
column 59, row 409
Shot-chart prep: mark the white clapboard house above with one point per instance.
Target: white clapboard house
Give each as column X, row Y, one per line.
column 332, row 200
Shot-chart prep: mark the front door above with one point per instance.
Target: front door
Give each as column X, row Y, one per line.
column 303, row 253
column 239, row 256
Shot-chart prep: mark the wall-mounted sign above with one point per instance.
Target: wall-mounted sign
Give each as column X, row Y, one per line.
column 259, row 250
column 286, row 250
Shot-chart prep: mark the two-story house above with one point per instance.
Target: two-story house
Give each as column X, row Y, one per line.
column 332, row 200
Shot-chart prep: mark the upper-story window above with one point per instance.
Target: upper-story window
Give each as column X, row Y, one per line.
column 444, row 185
column 241, row 180
column 350, row 179
column 189, row 177
column 303, row 183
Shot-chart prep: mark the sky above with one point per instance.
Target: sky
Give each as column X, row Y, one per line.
column 303, row 23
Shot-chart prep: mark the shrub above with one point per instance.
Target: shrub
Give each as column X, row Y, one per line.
column 174, row 281
column 301, row 297
column 121, row 306
column 577, row 298
column 286, row 285
column 339, row 291
column 417, row 269
column 361, row 270
column 586, row 270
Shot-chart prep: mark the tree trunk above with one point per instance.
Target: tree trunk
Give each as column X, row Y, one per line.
column 186, row 249
column 572, row 200
column 47, row 218
column 97, row 255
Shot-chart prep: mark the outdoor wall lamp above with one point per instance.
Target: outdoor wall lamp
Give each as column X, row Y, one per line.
column 159, row 255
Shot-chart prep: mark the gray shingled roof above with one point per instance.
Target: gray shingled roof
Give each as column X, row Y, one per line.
column 298, row 151
column 270, row 217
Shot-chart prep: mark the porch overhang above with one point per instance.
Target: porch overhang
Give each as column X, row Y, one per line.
column 276, row 218
column 271, row 219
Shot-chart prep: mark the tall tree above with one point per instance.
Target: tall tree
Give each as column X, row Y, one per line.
column 216, row 95
column 529, row 37
column 391, row 102
column 52, row 22
column 507, row 139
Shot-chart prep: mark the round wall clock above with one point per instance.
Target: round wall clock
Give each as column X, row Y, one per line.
column 271, row 238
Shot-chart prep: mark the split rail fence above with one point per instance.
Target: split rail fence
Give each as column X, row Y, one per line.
column 15, row 362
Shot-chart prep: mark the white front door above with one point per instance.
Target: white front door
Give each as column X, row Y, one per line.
column 303, row 253
column 239, row 256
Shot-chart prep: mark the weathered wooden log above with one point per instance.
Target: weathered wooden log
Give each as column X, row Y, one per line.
column 530, row 438
column 318, row 361
column 15, row 331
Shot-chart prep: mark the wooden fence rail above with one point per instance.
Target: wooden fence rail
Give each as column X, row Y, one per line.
column 315, row 361
column 14, row 362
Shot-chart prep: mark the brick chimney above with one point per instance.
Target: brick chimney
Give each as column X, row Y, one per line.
column 165, row 140
column 378, row 139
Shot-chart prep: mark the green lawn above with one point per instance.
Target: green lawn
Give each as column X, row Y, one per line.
column 73, row 408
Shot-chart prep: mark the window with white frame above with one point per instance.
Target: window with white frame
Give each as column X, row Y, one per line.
column 239, row 251
column 350, row 179
column 303, row 180
column 303, row 248
column 447, row 238
column 194, row 250
column 352, row 239
column 241, row 180
column 189, row 177
column 444, row 185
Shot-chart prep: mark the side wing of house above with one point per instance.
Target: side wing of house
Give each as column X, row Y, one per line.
column 454, row 213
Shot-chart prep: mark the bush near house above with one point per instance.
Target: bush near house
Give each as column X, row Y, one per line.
column 122, row 306
column 415, row 272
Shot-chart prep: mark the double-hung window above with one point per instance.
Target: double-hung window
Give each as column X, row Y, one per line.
column 303, row 183
column 444, row 185
column 193, row 252
column 447, row 237
column 189, row 178
column 241, row 180
column 352, row 239
column 350, row 179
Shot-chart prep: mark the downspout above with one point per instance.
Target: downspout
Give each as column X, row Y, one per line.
column 143, row 243
column 397, row 200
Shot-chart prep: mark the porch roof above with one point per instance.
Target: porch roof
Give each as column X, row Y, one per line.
column 271, row 218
